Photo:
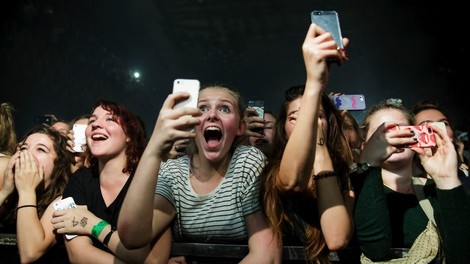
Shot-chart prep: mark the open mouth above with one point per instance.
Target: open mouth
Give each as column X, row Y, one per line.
column 212, row 135
column 99, row 137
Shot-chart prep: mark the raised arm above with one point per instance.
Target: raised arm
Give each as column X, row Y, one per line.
column 137, row 213
column 297, row 161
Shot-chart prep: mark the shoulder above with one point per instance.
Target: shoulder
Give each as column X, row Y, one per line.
column 249, row 152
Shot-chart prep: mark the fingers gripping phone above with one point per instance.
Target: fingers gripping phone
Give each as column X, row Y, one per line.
column 191, row 86
column 63, row 204
column 258, row 105
column 329, row 21
column 424, row 135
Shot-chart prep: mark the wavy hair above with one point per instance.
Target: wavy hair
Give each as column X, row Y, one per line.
column 132, row 126
column 7, row 129
column 298, row 212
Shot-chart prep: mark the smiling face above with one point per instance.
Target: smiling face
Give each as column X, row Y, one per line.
column 42, row 147
column 105, row 136
column 220, row 123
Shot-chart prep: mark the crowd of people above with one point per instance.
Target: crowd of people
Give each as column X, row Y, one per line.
column 310, row 176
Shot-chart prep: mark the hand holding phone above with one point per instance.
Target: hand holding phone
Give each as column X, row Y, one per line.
column 424, row 135
column 258, row 106
column 329, row 21
column 63, row 204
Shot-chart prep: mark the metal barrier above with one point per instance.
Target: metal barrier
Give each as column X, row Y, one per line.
column 205, row 253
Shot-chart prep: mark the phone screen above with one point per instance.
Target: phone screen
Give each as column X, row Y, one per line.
column 329, row 21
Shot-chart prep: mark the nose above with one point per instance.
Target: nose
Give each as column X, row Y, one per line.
column 212, row 114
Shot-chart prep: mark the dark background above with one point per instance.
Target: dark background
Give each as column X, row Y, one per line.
column 60, row 56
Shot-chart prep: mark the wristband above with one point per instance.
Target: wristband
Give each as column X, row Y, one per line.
column 96, row 230
column 108, row 237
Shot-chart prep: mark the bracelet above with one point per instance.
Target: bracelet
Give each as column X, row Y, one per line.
column 96, row 230
column 324, row 174
column 26, row 205
column 108, row 237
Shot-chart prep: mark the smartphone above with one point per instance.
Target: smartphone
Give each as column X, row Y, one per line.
column 423, row 133
column 329, row 21
column 79, row 139
column 191, row 86
column 440, row 125
column 258, row 105
column 349, row 101
column 63, row 204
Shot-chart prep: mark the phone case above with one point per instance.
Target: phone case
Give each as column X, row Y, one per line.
column 79, row 141
column 329, row 21
column 349, row 101
column 258, row 105
column 63, row 204
column 423, row 133
column 187, row 85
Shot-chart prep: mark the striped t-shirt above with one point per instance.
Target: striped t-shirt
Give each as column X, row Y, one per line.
column 219, row 215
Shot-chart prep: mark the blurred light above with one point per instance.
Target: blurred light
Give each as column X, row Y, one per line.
column 136, row 74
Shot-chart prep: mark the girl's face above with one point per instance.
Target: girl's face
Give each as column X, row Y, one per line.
column 42, row 147
column 220, row 123
column 105, row 136
column 433, row 115
column 292, row 113
column 392, row 115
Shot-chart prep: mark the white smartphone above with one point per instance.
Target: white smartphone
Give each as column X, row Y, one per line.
column 329, row 21
column 79, row 141
column 191, row 86
column 349, row 101
column 63, row 204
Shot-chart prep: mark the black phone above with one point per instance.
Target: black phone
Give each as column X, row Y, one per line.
column 329, row 21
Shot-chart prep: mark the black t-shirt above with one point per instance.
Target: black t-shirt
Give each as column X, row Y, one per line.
column 85, row 189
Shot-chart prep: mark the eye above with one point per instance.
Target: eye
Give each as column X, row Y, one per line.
column 203, row 108
column 292, row 120
column 23, row 147
column 224, row 109
column 42, row 150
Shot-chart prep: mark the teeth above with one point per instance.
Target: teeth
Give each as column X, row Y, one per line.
column 98, row 136
column 213, row 128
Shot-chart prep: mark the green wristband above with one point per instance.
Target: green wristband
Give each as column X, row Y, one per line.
column 96, row 231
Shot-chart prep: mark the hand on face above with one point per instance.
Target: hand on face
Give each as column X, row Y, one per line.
column 28, row 172
column 174, row 124
column 384, row 142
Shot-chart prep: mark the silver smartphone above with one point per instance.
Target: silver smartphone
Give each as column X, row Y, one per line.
column 329, row 21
